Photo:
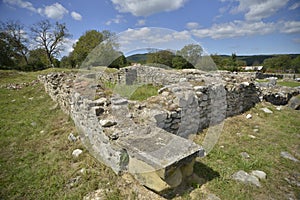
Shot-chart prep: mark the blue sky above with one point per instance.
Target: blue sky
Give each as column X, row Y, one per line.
column 243, row 27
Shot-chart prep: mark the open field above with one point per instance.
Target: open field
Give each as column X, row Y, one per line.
column 37, row 163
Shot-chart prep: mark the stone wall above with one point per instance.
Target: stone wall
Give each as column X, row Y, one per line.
column 158, row 159
column 260, row 75
column 203, row 99
column 148, row 139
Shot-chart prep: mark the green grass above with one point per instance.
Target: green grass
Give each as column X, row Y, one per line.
column 277, row 132
column 143, row 92
column 35, row 154
column 289, row 83
column 281, row 83
column 132, row 92
column 36, row 160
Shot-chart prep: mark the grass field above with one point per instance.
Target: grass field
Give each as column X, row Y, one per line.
column 36, row 160
column 282, row 83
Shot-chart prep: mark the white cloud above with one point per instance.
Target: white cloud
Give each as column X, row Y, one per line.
column 256, row 10
column 192, row 25
column 290, row 27
column 68, row 46
column 22, row 4
column 157, row 38
column 141, row 22
column 55, row 11
column 183, row 35
column 147, row 7
column 76, row 16
column 295, row 6
column 117, row 20
column 235, row 29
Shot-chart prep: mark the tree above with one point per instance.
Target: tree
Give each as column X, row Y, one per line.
column 50, row 37
column 283, row 62
column 6, row 52
column 38, row 59
column 192, row 53
column 218, row 60
column 68, row 61
column 119, row 62
column 163, row 57
column 179, row 62
column 85, row 44
column 278, row 63
column 295, row 64
column 102, row 55
column 14, row 42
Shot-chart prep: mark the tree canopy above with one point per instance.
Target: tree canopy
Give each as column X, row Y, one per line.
column 85, row 44
column 50, row 37
column 13, row 44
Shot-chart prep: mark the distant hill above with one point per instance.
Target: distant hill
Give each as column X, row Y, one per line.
column 250, row 60
column 137, row 58
column 257, row 59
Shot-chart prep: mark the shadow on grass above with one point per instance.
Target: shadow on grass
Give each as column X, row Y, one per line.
column 202, row 174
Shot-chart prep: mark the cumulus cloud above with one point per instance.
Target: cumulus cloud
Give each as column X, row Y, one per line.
column 146, row 37
column 152, row 37
column 192, row 25
column 22, row 4
column 55, row 11
column 290, row 27
column 235, row 29
column 147, row 7
column 256, row 10
column 76, row 16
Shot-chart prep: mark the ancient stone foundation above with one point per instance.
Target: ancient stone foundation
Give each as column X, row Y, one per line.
column 149, row 139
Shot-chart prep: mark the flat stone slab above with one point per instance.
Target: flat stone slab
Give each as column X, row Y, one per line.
column 160, row 149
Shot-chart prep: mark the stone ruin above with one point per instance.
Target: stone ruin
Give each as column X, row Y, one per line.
column 150, row 139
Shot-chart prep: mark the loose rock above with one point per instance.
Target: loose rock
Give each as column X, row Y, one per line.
column 245, row 155
column 248, row 116
column 294, row 103
column 287, row 155
column 246, row 178
column 267, row 110
column 76, row 152
column 107, row 123
column 72, row 138
column 259, row 174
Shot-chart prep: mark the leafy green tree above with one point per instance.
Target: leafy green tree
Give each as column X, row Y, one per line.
column 85, row 44
column 192, row 53
column 13, row 41
column 163, row 57
column 119, row 62
column 38, row 59
column 50, row 37
column 295, row 64
column 179, row 62
column 68, row 61
column 16, row 37
column 283, row 62
column 218, row 60
column 102, row 55
column 269, row 63
column 6, row 52
column 278, row 63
